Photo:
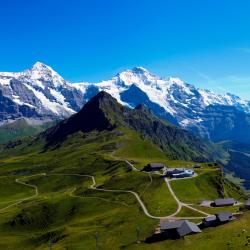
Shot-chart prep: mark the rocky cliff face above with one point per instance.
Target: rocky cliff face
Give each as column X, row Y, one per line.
column 103, row 112
column 38, row 92
column 212, row 116
column 41, row 93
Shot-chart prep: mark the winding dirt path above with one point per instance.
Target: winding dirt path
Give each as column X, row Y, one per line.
column 136, row 195
column 93, row 187
column 182, row 204
column 17, row 202
column 179, row 203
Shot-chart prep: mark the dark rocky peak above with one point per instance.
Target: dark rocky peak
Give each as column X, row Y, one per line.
column 102, row 112
column 143, row 108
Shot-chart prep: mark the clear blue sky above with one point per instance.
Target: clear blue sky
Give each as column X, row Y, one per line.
column 206, row 43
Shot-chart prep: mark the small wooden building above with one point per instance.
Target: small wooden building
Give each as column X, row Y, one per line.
column 218, row 219
column 223, row 202
column 153, row 167
column 179, row 228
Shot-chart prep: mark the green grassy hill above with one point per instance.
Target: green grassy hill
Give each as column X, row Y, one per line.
column 41, row 201
column 237, row 166
column 69, row 214
column 19, row 129
column 103, row 112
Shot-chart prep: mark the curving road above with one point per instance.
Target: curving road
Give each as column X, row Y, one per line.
column 17, row 202
column 181, row 204
column 137, row 196
column 93, row 186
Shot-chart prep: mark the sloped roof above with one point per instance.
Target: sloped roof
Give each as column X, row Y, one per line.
column 224, row 202
column 188, row 227
column 224, row 216
column 165, row 224
column 156, row 165
column 183, row 227
column 210, row 218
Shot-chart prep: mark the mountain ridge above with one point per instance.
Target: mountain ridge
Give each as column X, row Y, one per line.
column 41, row 93
column 103, row 112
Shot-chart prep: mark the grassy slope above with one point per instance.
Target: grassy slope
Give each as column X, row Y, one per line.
column 9, row 190
column 54, row 190
column 142, row 151
column 237, row 166
column 205, row 187
column 71, row 222
column 20, row 129
column 229, row 236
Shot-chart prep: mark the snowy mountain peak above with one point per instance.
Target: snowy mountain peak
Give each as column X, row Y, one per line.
column 40, row 69
column 172, row 94
column 43, row 76
column 136, row 71
column 42, row 88
column 138, row 76
column 175, row 80
column 40, row 66
column 40, row 92
column 139, row 70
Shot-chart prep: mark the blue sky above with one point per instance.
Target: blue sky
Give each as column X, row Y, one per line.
column 206, row 43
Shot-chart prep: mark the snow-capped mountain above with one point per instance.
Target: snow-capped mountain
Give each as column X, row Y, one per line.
column 37, row 92
column 171, row 93
column 213, row 116
column 41, row 93
column 182, row 101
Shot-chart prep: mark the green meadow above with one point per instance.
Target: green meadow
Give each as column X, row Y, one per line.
column 70, row 215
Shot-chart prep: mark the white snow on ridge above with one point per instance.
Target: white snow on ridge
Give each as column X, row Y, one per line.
column 186, row 122
column 210, row 98
column 161, row 90
column 59, row 97
column 40, row 73
column 17, row 100
column 40, row 76
column 112, row 87
column 82, row 86
column 172, row 94
column 181, row 84
column 37, row 75
column 5, row 81
column 155, row 88
column 56, row 108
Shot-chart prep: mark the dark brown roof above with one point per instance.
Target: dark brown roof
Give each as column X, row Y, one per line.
column 156, row 165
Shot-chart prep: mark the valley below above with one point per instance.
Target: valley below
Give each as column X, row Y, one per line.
column 82, row 184
column 84, row 192
column 124, row 125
